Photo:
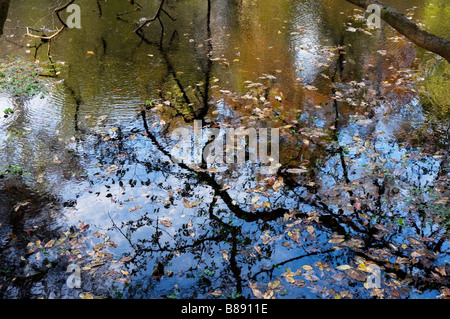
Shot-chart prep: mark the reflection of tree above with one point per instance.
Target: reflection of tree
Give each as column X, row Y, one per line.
column 235, row 241
column 359, row 231
column 4, row 6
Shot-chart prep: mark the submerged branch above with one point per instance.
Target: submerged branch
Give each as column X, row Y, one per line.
column 409, row 29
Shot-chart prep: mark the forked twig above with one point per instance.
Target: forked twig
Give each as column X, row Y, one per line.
column 57, row 11
column 156, row 16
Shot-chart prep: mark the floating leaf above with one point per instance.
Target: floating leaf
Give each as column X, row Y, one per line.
column 296, row 170
column 255, row 199
column 277, row 184
column 86, row 295
column 299, row 283
column 60, row 241
column 311, row 277
column 336, row 240
column 257, row 293
column 353, row 243
column 268, row 294
column 310, row 230
column 217, row 293
column 99, row 247
column 125, row 259
column 274, row 284
column 50, row 243
column 166, row 222
column 189, row 205
column 356, row 274
column 83, row 227
column 310, row 87
column 343, row 267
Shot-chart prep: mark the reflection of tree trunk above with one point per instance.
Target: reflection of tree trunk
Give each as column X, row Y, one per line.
column 409, row 29
column 4, row 6
column 201, row 113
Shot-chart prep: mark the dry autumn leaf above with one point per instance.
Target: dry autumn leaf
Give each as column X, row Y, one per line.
column 166, row 222
column 125, row 259
column 257, row 293
column 86, row 295
column 343, row 267
column 50, row 243
column 356, row 274
column 187, row 204
column 255, row 199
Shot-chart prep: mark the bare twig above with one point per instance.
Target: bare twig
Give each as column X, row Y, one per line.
column 138, row 8
column 100, row 11
column 156, row 16
column 45, row 38
column 58, row 10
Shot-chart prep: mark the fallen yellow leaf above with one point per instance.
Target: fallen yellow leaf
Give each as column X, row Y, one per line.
column 189, row 205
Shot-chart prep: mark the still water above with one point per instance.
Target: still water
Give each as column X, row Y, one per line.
column 361, row 194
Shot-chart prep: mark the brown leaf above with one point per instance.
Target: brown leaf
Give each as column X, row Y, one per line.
column 125, row 259
column 356, row 274
column 380, row 227
column 83, row 227
column 166, row 222
column 299, row 283
column 217, row 293
column 441, row 271
column 50, row 243
column 277, row 185
column 98, row 247
column 336, row 240
column 86, row 295
column 274, row 284
column 353, row 243
column 257, row 293
column 268, row 294
column 310, row 230
column 189, row 205
column 311, row 277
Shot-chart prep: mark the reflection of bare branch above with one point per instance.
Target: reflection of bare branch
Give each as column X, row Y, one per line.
column 99, row 7
column 138, row 8
column 58, row 10
column 120, row 231
column 48, row 39
column 173, row 73
column 156, row 16
column 275, row 266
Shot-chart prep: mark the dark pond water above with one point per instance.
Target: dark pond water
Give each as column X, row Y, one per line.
column 360, row 194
